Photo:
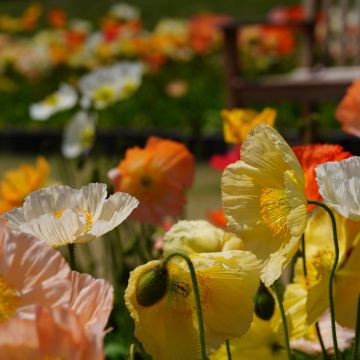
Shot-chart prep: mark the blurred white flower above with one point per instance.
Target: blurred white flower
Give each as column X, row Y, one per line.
column 60, row 215
column 339, row 184
column 63, row 99
column 123, row 11
column 107, row 85
column 79, row 134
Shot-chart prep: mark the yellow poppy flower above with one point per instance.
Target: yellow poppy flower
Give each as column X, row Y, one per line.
column 199, row 236
column 320, row 258
column 165, row 320
column 18, row 183
column 239, row 122
column 264, row 200
column 260, row 342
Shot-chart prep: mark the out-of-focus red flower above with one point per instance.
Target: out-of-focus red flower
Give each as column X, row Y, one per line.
column 288, row 13
column 313, row 155
column 348, row 111
column 157, row 176
column 56, row 18
column 203, row 31
column 220, row 162
column 29, row 19
column 217, row 217
column 74, row 38
column 279, row 39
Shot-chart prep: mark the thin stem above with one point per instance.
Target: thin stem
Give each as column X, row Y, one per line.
column 357, row 333
column 132, row 352
column 228, row 350
column 332, row 274
column 303, row 255
column 283, row 319
column 72, row 258
column 196, row 296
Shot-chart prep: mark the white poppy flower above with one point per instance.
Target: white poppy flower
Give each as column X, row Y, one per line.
column 125, row 12
column 339, row 184
column 79, row 134
column 107, row 85
column 63, row 99
column 60, row 215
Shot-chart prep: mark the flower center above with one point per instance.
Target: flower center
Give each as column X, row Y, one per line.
column 104, row 94
column 87, row 136
column 51, row 100
column 87, row 217
column 146, row 181
column 275, row 209
column 8, row 300
column 129, row 88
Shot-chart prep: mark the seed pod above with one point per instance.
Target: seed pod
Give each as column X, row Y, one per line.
column 264, row 303
column 152, row 286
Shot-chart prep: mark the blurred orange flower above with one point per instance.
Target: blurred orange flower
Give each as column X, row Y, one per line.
column 56, row 333
column 56, row 18
column 203, row 31
column 29, row 19
column 278, row 39
column 239, row 122
column 348, row 111
column 311, row 156
column 217, row 217
column 157, row 175
column 18, row 183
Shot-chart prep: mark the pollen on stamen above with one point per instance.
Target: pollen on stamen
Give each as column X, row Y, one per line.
column 274, row 209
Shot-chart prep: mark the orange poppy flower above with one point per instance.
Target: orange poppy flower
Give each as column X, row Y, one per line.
column 18, row 183
column 217, row 218
column 157, row 175
column 348, row 111
column 56, row 18
column 204, row 32
column 311, row 156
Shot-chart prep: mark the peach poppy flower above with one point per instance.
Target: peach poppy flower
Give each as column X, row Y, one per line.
column 30, row 273
column 313, row 155
column 348, row 111
column 91, row 299
column 53, row 334
column 157, row 175
column 18, row 183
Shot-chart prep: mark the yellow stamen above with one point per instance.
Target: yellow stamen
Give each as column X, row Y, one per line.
column 87, row 136
column 58, row 213
column 105, row 94
column 88, row 219
column 51, row 100
column 275, row 209
column 9, row 300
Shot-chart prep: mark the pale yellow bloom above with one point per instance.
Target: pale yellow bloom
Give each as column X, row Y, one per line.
column 239, row 122
column 168, row 328
column 199, row 236
column 264, row 200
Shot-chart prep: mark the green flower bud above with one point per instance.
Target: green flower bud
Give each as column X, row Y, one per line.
column 264, row 303
column 152, row 287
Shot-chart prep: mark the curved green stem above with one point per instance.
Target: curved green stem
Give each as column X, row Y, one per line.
column 72, row 258
column 357, row 333
column 283, row 319
column 228, row 350
column 332, row 274
column 196, row 296
column 303, row 255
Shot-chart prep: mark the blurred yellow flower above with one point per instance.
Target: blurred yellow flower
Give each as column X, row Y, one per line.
column 239, row 122
column 16, row 184
column 167, row 325
column 264, row 200
column 260, row 342
column 319, row 259
column 199, row 236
